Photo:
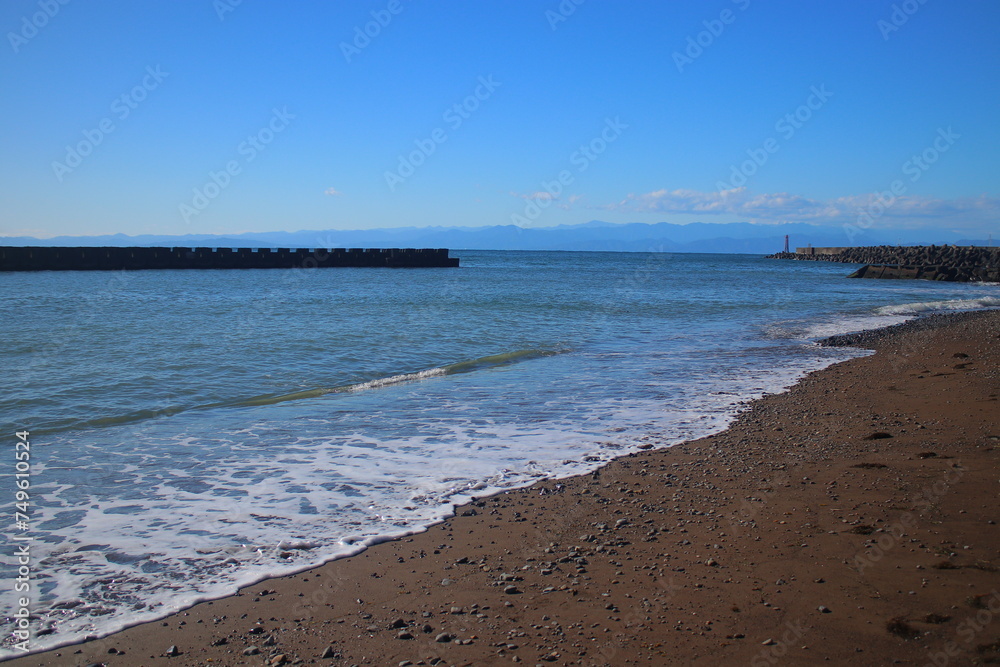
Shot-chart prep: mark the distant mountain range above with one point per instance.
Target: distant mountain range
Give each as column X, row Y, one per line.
column 737, row 237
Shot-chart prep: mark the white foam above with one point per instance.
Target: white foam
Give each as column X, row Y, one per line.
column 398, row 379
column 271, row 490
column 940, row 306
column 881, row 317
column 852, row 324
column 207, row 529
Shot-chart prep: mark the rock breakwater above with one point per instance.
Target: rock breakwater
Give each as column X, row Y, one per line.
column 953, row 263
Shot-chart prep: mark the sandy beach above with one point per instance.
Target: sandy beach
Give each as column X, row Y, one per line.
column 852, row 519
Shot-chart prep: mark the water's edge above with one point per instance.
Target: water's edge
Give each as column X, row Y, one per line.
column 855, row 340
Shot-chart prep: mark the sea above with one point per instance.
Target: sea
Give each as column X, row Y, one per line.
column 194, row 432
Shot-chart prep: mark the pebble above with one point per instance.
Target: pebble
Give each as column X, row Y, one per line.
column 251, row 650
column 172, row 652
column 328, row 653
column 546, row 565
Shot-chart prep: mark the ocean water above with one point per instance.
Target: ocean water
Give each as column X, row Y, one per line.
column 195, row 431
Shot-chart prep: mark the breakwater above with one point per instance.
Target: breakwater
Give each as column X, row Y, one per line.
column 953, row 263
column 37, row 258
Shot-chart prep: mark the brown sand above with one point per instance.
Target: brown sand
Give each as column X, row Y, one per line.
column 850, row 520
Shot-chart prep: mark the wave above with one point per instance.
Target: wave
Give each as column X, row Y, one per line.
column 467, row 366
column 877, row 318
column 940, row 306
column 495, row 360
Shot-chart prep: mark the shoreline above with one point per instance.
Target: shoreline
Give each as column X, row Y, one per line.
column 533, row 563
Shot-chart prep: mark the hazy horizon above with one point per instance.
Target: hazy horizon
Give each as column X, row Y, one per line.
column 594, row 235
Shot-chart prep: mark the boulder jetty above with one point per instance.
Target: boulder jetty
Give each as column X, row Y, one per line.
column 947, row 262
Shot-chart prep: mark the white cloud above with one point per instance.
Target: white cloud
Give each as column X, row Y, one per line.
column 785, row 207
column 540, row 195
column 333, row 192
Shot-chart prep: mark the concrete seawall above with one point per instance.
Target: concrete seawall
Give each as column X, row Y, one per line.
column 37, row 258
column 822, row 251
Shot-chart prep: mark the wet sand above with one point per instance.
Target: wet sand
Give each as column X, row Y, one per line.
column 852, row 519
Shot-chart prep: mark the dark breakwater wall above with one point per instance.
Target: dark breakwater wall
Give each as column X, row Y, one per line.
column 37, row 258
column 954, row 263
column 925, row 272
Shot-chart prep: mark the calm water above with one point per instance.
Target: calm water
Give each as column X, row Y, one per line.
column 196, row 431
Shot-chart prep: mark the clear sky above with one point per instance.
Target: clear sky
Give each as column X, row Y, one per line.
column 225, row 116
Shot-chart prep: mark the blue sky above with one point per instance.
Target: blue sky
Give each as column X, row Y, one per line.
column 202, row 116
